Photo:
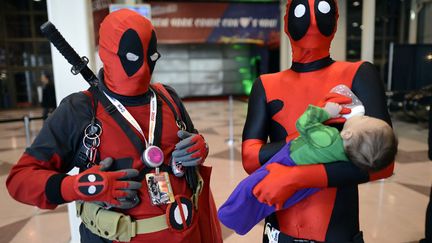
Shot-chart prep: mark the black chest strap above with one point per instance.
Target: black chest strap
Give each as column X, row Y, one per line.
column 124, row 124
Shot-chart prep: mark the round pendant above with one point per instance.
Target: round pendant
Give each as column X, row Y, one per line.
column 153, row 156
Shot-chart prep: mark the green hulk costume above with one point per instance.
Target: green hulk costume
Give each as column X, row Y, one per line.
column 317, row 142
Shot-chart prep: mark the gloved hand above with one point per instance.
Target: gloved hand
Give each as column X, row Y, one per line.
column 333, row 109
column 338, row 99
column 97, row 184
column 283, row 181
column 192, row 149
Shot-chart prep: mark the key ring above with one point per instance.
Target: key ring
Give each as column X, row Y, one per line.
column 95, row 142
column 92, row 134
column 93, row 129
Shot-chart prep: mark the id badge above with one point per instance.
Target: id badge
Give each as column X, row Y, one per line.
column 159, row 188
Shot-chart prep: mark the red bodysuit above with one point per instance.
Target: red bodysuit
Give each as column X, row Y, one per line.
column 276, row 102
column 129, row 53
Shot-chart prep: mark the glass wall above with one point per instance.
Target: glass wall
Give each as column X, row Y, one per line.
column 425, row 24
column 390, row 26
column 387, row 26
column 354, row 29
column 210, row 69
column 24, row 52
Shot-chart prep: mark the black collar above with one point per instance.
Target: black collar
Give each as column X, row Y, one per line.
column 312, row 66
column 125, row 100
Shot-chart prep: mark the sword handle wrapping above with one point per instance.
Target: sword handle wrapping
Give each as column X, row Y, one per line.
column 79, row 65
column 54, row 36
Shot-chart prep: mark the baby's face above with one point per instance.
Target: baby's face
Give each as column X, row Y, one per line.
column 358, row 124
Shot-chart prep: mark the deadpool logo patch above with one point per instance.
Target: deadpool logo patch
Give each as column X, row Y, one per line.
column 180, row 213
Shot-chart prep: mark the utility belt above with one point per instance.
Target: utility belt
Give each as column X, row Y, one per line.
column 275, row 236
column 117, row 226
column 114, row 225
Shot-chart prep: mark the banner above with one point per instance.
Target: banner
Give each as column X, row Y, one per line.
column 256, row 23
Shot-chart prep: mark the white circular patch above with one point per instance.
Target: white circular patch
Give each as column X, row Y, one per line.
column 91, row 189
column 131, row 57
column 91, row 178
column 324, row 7
column 177, row 215
column 300, row 10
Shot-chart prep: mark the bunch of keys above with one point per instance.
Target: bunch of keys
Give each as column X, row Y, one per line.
column 91, row 141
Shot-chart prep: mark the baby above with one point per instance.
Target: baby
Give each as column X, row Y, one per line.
column 367, row 142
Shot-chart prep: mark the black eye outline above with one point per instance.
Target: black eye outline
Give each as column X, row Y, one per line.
column 130, row 42
column 151, row 50
column 326, row 21
column 298, row 26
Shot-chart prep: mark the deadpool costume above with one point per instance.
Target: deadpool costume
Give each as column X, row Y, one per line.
column 276, row 102
column 115, row 166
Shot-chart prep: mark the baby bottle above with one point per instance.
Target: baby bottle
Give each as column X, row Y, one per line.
column 356, row 105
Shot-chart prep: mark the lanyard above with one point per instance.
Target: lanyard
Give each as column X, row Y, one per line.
column 125, row 113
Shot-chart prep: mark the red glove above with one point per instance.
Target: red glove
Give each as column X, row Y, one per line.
column 98, row 184
column 339, row 99
column 283, row 181
column 192, row 150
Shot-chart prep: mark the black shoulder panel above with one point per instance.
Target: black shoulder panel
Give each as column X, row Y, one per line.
column 62, row 132
column 369, row 88
column 256, row 126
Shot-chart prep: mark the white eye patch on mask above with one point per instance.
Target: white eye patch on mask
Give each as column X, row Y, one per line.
column 131, row 57
column 154, row 57
column 324, row 7
column 299, row 10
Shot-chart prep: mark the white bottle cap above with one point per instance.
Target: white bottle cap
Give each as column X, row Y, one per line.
column 355, row 111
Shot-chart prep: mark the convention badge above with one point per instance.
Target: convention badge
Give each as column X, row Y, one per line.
column 159, row 188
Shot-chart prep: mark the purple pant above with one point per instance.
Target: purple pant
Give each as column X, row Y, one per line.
column 242, row 211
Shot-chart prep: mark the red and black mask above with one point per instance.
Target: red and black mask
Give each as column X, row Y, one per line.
column 128, row 50
column 311, row 26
